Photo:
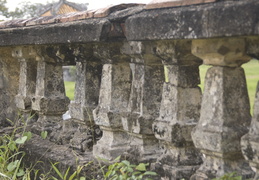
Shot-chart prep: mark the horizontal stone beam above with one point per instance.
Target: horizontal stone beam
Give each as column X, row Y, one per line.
column 220, row 19
column 93, row 30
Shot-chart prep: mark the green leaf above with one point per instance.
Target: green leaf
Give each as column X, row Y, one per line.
column 117, row 159
column 21, row 140
column 28, row 134
column 44, row 134
column 20, row 172
column 82, row 178
column 72, row 176
column 56, row 170
column 65, row 176
column 12, row 145
column 12, row 165
column 141, row 167
column 127, row 163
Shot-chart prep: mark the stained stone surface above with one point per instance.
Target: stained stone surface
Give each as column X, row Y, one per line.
column 225, row 118
column 221, row 52
column 27, row 78
column 9, row 85
column 86, row 91
column 249, row 141
column 113, row 100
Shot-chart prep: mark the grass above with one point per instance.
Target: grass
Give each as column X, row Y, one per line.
column 70, row 88
column 251, row 70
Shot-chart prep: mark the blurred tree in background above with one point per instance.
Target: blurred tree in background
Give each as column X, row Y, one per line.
column 25, row 10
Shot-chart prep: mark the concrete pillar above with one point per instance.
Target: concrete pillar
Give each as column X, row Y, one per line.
column 50, row 100
column 144, row 102
column 113, row 101
column 179, row 110
column 27, row 81
column 225, row 110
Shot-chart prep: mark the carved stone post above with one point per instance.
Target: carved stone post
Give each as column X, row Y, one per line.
column 88, row 76
column 113, row 101
column 225, row 109
column 179, row 111
column 144, row 102
column 27, row 80
column 250, row 141
column 50, row 100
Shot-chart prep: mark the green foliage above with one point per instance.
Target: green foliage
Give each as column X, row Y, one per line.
column 124, row 170
column 44, row 134
column 11, row 166
column 67, row 175
column 229, row 176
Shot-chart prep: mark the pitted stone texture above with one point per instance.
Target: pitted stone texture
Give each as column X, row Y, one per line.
column 225, row 117
column 79, row 136
column 88, row 77
column 179, row 113
column 113, row 143
column 250, row 143
column 27, row 78
column 182, row 76
column 114, row 94
column 176, row 52
column 211, row 20
column 156, row 4
column 50, row 91
column 143, row 107
column 221, row 52
column 113, row 101
column 108, row 10
column 9, row 85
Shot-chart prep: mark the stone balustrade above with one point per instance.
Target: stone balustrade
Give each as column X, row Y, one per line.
column 137, row 81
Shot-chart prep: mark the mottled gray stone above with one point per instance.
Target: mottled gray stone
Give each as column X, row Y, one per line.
column 143, row 108
column 91, row 30
column 179, row 113
column 50, row 100
column 221, row 52
column 225, row 118
column 113, row 100
column 27, row 78
column 195, row 22
column 9, row 75
column 249, row 142
column 88, row 76
column 144, row 101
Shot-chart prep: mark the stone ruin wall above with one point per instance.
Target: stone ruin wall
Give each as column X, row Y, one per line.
column 137, row 85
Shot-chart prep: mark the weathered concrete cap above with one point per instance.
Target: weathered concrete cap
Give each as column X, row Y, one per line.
column 103, row 12
column 156, row 4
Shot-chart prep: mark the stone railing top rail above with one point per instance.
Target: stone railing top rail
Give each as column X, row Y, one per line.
column 163, row 19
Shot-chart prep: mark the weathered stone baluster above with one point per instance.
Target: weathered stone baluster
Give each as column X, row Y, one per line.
column 88, row 76
column 144, row 103
column 50, row 100
column 179, row 111
column 250, row 141
column 225, row 109
column 113, row 101
column 27, row 79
